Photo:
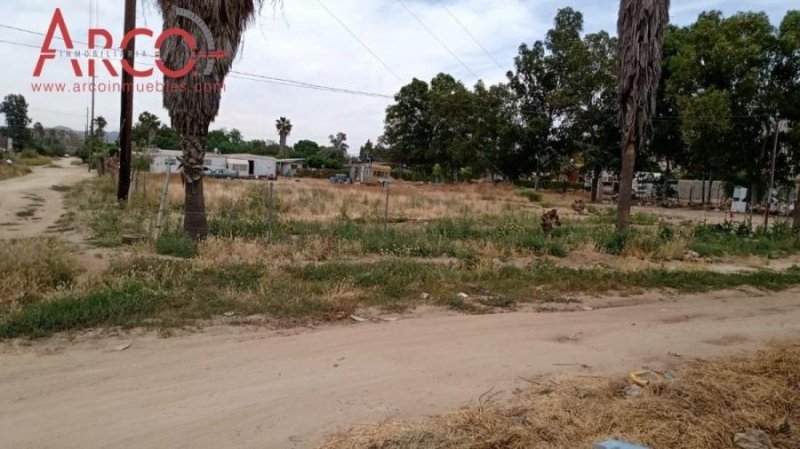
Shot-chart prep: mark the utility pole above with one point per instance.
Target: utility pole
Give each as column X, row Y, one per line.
column 91, row 121
column 772, row 172
column 126, row 113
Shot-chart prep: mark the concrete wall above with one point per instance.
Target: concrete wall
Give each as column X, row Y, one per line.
column 691, row 191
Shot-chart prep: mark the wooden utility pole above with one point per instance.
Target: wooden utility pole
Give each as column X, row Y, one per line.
column 126, row 113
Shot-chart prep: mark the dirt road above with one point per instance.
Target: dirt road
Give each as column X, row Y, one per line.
column 29, row 205
column 237, row 387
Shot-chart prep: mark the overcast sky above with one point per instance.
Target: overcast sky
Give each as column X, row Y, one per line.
column 304, row 42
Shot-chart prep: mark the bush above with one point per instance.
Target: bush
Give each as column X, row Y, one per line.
column 532, row 195
column 176, row 243
column 613, row 242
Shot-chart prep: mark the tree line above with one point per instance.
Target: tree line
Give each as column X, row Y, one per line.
column 724, row 80
column 149, row 132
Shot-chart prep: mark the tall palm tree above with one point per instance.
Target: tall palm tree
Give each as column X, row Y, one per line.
column 190, row 111
column 641, row 29
column 284, row 127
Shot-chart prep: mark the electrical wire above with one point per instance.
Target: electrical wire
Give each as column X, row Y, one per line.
column 438, row 39
column 471, row 36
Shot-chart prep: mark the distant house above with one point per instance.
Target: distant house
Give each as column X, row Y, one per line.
column 370, row 173
column 246, row 165
column 6, row 143
column 289, row 167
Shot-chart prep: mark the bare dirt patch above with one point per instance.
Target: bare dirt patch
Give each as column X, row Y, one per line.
column 251, row 388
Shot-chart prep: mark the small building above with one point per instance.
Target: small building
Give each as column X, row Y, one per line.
column 246, row 165
column 289, row 167
column 370, row 173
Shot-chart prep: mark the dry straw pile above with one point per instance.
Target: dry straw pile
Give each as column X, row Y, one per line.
column 703, row 408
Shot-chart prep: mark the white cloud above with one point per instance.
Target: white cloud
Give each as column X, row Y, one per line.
column 303, row 42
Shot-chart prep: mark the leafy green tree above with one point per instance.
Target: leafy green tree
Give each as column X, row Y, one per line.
column 367, row 152
column 305, row 148
column 166, row 138
column 732, row 56
column 705, row 122
column 145, row 130
column 408, row 128
column 15, row 108
column 338, row 149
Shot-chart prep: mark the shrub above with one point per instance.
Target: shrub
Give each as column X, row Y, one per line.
column 176, row 243
column 32, row 268
column 532, row 195
column 613, row 242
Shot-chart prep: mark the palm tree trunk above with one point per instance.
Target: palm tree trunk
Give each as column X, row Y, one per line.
column 194, row 220
column 626, row 187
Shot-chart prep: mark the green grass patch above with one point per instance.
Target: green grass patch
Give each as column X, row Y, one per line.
column 125, row 305
column 176, row 243
column 739, row 239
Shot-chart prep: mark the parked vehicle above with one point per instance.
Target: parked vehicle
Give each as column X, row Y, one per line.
column 223, row 173
column 341, row 179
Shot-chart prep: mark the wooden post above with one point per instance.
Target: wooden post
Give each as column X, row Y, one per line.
column 386, row 210
column 269, row 209
column 163, row 206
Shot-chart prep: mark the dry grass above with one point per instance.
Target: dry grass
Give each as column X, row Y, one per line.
column 12, row 171
column 703, row 408
column 319, row 200
column 33, row 268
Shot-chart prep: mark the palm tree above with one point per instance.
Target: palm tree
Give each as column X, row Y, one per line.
column 100, row 124
column 640, row 29
column 284, row 127
column 190, row 111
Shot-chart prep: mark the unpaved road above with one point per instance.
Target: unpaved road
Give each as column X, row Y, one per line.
column 33, row 197
column 238, row 387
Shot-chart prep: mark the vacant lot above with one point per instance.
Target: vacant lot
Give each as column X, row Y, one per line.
column 315, row 252
column 428, row 295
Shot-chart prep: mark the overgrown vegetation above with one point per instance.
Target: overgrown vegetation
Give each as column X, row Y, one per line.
column 21, row 163
column 145, row 290
column 742, row 240
column 288, row 268
column 33, row 269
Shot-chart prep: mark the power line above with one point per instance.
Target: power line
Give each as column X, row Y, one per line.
column 436, row 37
column 474, row 39
column 242, row 75
column 21, row 44
column 366, row 47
